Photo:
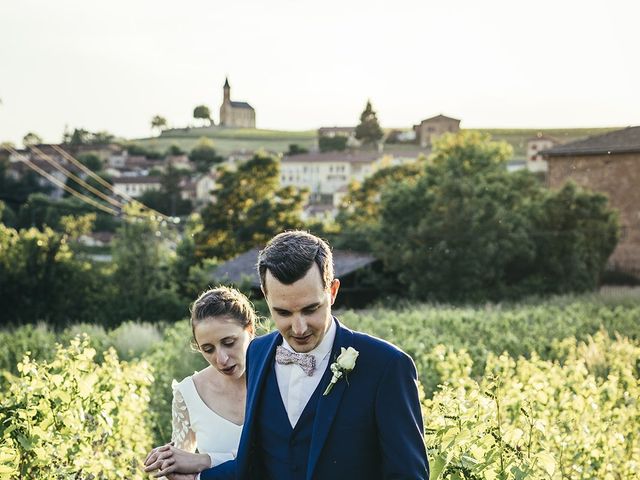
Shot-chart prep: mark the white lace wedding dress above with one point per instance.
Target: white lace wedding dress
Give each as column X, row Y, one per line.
column 197, row 427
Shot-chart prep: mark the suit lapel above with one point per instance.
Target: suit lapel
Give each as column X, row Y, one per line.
column 260, row 361
column 328, row 404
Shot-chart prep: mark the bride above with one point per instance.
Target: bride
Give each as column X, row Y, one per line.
column 208, row 406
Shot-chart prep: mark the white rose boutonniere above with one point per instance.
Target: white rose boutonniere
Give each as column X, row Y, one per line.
column 345, row 362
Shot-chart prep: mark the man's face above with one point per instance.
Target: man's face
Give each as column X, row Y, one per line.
column 302, row 310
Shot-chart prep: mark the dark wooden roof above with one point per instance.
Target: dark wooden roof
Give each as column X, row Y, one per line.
column 243, row 267
column 626, row 140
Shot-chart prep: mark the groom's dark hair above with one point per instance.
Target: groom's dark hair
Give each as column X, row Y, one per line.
column 290, row 255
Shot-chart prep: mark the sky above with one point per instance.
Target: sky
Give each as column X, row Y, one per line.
column 113, row 65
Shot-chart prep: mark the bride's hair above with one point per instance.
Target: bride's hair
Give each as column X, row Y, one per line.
column 223, row 302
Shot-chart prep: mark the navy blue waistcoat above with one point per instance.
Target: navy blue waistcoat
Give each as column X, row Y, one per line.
column 282, row 452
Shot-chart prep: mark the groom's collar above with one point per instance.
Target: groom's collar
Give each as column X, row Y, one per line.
column 325, row 346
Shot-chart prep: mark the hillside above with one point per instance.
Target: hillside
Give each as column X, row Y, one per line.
column 229, row 140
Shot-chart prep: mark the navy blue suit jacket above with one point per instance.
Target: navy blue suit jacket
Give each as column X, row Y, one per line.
column 367, row 428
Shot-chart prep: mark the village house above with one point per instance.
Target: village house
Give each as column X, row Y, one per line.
column 199, row 189
column 235, row 114
column 609, row 164
column 135, row 186
column 327, row 175
column 323, row 174
column 535, row 145
column 431, row 128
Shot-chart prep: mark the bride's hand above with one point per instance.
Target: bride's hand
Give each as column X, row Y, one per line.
column 169, row 459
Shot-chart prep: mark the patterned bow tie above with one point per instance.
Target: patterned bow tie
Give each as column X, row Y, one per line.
column 306, row 361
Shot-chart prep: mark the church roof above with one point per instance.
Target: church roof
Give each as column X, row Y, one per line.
column 226, row 83
column 241, row 105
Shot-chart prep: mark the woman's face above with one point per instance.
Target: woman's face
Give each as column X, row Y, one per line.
column 223, row 343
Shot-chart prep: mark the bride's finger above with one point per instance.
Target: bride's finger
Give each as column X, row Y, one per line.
column 155, row 451
column 149, row 455
column 162, row 456
column 166, row 468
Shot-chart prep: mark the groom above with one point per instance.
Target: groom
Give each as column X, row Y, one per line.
column 367, row 425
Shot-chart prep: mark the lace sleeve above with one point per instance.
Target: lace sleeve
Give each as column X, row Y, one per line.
column 182, row 435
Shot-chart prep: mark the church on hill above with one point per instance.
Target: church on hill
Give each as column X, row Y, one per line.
column 235, row 114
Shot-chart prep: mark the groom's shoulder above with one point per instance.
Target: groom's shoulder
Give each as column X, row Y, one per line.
column 263, row 341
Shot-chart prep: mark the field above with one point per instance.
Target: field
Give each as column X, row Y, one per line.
column 544, row 389
column 228, row 140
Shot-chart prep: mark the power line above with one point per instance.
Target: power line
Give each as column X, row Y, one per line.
column 61, row 184
column 90, row 172
column 77, row 179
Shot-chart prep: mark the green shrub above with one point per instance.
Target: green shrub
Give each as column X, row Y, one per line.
column 133, row 340
column 531, row 418
column 73, row 418
column 36, row 340
column 518, row 329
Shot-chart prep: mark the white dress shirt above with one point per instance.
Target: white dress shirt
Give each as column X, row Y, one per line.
column 296, row 387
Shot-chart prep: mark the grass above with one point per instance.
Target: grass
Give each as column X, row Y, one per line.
column 228, row 140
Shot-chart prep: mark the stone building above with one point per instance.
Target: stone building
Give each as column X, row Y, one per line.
column 431, row 128
column 609, row 164
column 235, row 114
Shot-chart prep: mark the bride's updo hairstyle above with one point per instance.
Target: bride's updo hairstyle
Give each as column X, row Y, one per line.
column 223, row 302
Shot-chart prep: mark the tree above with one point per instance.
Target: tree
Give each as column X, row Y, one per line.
column 368, row 130
column 91, row 182
column 158, row 122
column 101, row 138
column 42, row 280
column 91, row 161
column 202, row 112
column 575, row 232
column 31, row 139
column 204, row 155
column 80, row 136
column 175, row 150
column 168, row 199
column 332, row 144
column 141, row 256
column 41, row 210
column 295, row 149
column 469, row 230
column 359, row 213
column 16, row 192
column 250, row 208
